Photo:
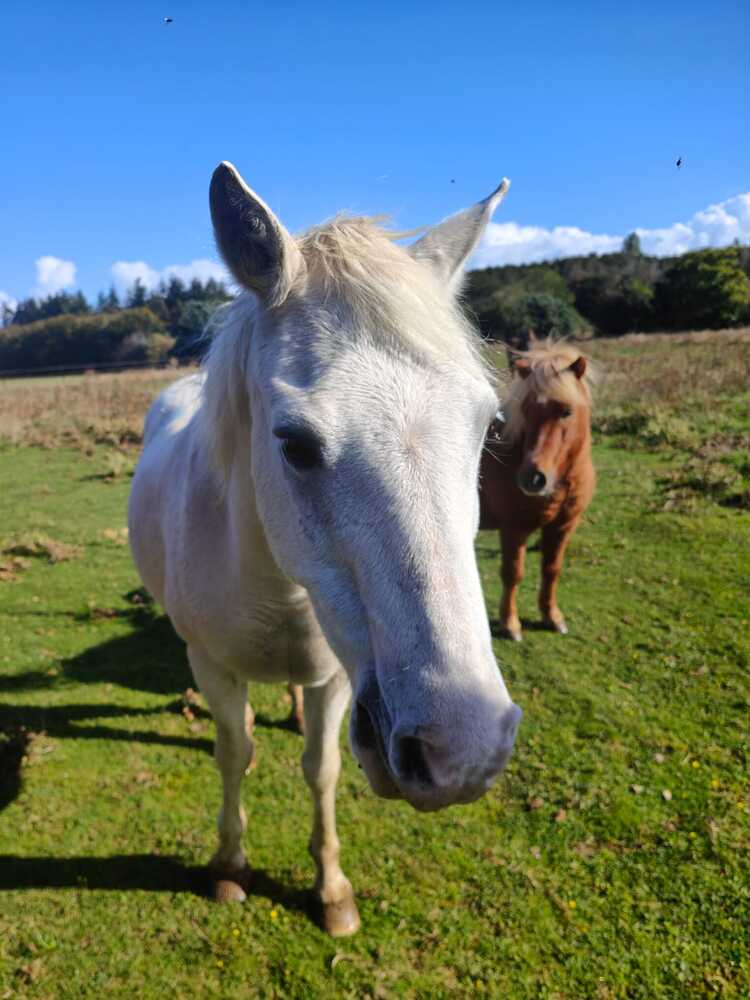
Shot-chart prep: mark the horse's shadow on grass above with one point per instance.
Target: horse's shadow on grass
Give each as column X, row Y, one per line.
column 138, row 872
column 151, row 658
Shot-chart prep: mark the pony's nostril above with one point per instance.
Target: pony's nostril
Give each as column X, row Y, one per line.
column 410, row 762
column 535, row 481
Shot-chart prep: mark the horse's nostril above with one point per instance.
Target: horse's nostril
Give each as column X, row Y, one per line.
column 410, row 763
column 366, row 735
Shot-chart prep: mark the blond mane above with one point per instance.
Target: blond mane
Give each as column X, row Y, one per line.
column 549, row 378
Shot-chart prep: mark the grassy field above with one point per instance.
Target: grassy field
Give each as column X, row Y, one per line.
column 611, row 861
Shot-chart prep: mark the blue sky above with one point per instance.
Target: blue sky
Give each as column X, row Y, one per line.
column 113, row 121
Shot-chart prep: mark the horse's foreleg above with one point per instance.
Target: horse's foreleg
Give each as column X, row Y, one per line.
column 555, row 539
column 513, row 548
column 321, row 763
column 227, row 699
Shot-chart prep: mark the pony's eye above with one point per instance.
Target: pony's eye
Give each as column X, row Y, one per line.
column 300, row 450
column 566, row 412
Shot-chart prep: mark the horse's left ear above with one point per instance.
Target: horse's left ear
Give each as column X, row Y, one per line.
column 578, row 367
column 447, row 246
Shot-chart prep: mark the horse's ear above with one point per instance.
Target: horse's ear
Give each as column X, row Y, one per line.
column 256, row 248
column 447, row 246
column 523, row 368
column 578, row 367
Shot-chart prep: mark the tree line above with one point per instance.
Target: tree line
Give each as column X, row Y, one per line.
column 599, row 295
column 144, row 327
column 612, row 294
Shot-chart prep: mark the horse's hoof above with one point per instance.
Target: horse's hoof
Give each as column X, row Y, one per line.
column 340, row 919
column 226, row 890
column 514, row 634
column 230, row 887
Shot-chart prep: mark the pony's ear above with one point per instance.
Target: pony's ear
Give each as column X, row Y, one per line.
column 578, row 367
column 447, row 246
column 256, row 248
column 523, row 368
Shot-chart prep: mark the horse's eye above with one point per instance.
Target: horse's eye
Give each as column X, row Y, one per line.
column 301, row 451
column 566, row 411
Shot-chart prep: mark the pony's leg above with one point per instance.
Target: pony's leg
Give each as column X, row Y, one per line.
column 513, row 548
column 555, row 539
column 297, row 716
column 233, row 751
column 321, row 763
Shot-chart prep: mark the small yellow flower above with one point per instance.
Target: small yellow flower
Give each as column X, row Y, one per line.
column 236, row 931
column 693, row 834
column 572, row 904
column 714, row 783
column 220, row 963
column 274, row 914
column 740, row 805
column 696, row 763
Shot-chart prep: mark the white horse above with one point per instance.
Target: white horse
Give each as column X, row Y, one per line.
column 305, row 512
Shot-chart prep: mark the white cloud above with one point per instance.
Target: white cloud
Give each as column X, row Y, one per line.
column 509, row 243
column 125, row 273
column 717, row 225
column 52, row 275
column 7, row 300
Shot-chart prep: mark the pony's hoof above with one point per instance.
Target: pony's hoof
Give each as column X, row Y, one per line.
column 514, row 634
column 229, row 887
column 560, row 627
column 340, row 919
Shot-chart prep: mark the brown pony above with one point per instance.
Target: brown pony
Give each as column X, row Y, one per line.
column 536, row 472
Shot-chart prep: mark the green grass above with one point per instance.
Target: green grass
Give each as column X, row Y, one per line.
column 575, row 877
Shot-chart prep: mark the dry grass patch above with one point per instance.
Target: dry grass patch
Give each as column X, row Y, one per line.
column 670, row 369
column 81, row 410
column 17, row 556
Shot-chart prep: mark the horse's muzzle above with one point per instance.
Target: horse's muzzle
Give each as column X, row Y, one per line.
column 423, row 764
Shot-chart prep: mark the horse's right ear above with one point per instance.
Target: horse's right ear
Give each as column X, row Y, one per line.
column 446, row 247
column 256, row 248
column 523, row 368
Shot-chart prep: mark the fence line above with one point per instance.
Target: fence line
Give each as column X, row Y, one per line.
column 82, row 367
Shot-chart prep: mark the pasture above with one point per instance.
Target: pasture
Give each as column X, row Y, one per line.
column 609, row 861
